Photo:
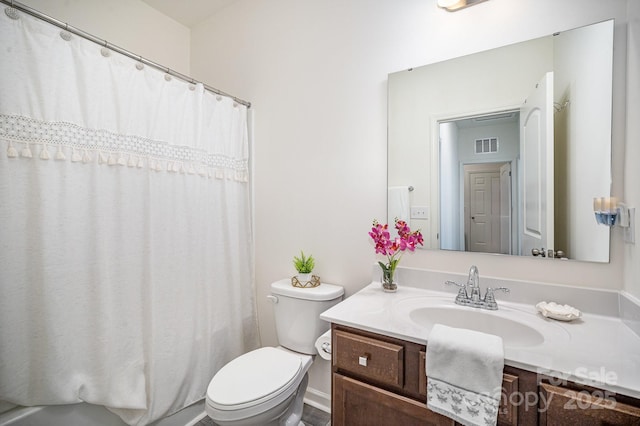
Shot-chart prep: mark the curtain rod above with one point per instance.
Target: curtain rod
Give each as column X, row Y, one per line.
column 99, row 41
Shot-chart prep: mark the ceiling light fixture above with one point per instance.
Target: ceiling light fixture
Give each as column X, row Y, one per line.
column 453, row 5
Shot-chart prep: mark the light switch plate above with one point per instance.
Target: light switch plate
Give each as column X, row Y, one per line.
column 419, row 212
column 630, row 231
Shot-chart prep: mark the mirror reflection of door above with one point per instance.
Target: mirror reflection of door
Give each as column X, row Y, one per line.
column 536, row 150
column 478, row 183
column 482, row 207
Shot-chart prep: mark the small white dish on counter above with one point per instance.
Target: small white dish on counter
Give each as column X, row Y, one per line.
column 559, row 312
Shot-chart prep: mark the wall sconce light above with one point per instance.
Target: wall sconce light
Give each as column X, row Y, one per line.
column 453, row 5
column 609, row 212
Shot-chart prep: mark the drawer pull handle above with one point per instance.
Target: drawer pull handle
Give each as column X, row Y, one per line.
column 363, row 360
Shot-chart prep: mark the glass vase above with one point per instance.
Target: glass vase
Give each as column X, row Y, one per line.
column 389, row 285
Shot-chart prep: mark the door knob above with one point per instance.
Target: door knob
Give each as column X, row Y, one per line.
column 538, row 252
column 551, row 253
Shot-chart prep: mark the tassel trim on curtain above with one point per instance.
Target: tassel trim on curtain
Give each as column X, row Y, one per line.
column 26, row 137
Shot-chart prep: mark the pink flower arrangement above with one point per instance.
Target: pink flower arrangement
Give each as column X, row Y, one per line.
column 393, row 249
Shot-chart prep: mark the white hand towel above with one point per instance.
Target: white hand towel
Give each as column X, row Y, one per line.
column 464, row 374
column 398, row 203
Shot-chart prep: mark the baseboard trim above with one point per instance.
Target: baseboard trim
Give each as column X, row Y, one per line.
column 318, row 399
column 188, row 416
column 197, row 419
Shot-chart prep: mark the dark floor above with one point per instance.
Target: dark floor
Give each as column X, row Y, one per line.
column 310, row 417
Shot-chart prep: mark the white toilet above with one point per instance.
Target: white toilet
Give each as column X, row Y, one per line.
column 266, row 386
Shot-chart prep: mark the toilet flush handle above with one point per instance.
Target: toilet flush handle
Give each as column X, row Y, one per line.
column 273, row 298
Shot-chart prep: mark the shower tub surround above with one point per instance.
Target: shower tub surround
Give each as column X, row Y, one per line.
column 90, row 415
column 94, row 415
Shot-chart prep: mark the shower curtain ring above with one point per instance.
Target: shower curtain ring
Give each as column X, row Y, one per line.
column 105, row 50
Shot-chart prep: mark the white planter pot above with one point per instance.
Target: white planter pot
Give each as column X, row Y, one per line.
column 304, row 278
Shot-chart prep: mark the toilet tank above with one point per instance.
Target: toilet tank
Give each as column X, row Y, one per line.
column 297, row 313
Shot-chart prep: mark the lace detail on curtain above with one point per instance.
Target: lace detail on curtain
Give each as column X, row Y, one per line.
column 82, row 145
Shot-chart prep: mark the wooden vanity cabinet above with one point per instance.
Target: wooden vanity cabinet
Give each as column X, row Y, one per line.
column 375, row 381
column 380, row 380
column 576, row 405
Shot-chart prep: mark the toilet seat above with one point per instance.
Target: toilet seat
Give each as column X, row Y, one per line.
column 255, row 382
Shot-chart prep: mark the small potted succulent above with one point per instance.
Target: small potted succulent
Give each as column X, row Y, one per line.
column 304, row 265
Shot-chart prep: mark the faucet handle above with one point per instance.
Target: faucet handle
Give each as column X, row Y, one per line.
column 491, row 290
column 490, row 299
column 462, row 291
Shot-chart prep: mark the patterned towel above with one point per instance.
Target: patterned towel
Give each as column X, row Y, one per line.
column 464, row 374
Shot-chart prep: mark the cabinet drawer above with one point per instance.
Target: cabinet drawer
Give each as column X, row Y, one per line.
column 369, row 358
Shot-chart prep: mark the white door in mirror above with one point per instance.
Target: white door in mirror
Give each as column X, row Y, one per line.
column 536, row 151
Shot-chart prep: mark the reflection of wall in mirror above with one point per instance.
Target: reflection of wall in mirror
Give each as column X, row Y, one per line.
column 418, row 99
column 451, row 218
column 582, row 58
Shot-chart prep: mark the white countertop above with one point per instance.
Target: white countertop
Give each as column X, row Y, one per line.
column 596, row 350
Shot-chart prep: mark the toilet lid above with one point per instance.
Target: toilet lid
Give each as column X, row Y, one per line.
column 253, row 376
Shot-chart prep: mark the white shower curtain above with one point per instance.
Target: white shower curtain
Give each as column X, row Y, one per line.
column 126, row 260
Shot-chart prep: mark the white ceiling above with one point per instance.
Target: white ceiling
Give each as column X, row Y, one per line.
column 188, row 12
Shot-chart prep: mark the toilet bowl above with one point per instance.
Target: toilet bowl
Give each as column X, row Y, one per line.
column 258, row 387
column 266, row 386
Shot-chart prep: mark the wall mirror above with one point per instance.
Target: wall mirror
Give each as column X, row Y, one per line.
column 503, row 151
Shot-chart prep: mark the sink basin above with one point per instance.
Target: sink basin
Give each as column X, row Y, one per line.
column 517, row 327
column 513, row 333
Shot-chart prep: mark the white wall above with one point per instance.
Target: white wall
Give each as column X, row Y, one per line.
column 130, row 24
column 632, row 151
column 316, row 73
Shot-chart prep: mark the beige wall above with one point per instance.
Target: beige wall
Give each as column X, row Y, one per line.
column 130, row 24
column 632, row 151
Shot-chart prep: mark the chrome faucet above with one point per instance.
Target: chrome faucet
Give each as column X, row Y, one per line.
column 473, row 284
column 470, row 294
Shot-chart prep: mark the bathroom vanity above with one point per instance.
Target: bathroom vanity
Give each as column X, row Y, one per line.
column 583, row 373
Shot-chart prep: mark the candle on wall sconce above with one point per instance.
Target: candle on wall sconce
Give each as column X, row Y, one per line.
column 610, row 212
column 606, row 210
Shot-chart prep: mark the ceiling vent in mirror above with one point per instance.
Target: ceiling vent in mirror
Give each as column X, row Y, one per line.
column 486, row 145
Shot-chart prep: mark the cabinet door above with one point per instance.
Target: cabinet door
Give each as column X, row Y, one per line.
column 359, row 404
column 565, row 407
column 508, row 411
